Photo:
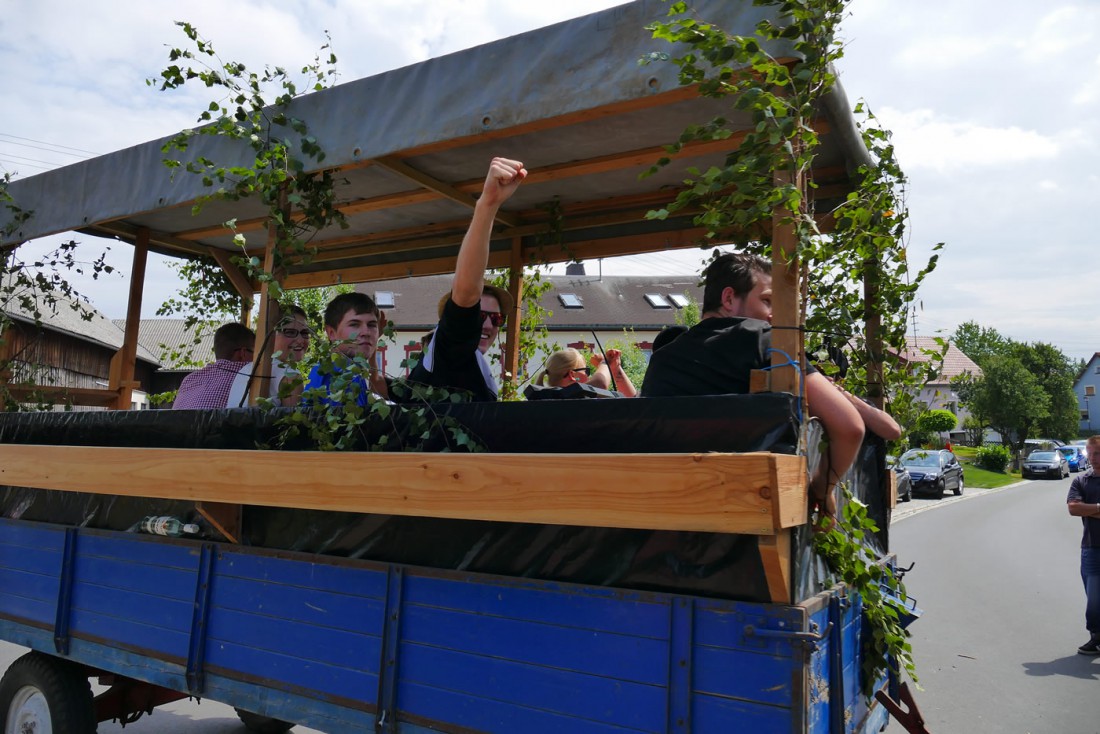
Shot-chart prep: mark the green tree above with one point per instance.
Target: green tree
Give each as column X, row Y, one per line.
column 979, row 342
column 1055, row 374
column 633, row 358
column 689, row 315
column 1012, row 400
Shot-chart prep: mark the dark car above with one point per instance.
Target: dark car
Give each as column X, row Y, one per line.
column 902, row 480
column 933, row 472
column 1045, row 464
column 1076, row 457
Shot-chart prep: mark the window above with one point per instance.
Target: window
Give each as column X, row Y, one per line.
column 570, row 300
column 1090, row 390
column 1084, row 415
column 385, row 299
column 656, row 300
column 679, row 300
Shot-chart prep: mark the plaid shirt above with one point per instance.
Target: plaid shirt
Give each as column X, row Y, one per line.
column 207, row 387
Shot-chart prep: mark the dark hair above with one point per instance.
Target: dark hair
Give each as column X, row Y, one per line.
column 231, row 337
column 667, row 335
column 287, row 311
column 735, row 270
column 355, row 302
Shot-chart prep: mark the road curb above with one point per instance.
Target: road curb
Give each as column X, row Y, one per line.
column 898, row 515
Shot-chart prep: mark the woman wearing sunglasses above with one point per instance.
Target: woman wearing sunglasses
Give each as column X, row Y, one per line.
column 567, row 366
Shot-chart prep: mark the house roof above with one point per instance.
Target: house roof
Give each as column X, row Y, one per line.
column 606, row 302
column 68, row 317
column 153, row 333
column 955, row 363
column 1085, row 370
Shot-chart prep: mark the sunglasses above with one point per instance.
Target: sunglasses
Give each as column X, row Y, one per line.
column 496, row 318
column 295, row 333
column 583, row 370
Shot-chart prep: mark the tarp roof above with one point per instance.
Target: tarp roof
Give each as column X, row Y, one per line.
column 412, row 146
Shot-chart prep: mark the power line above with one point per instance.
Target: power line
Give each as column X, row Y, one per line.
column 32, row 160
column 53, row 145
column 31, row 165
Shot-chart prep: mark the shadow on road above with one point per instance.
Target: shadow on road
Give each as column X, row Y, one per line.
column 1076, row 666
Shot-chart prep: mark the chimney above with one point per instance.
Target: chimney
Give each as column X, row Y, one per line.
column 574, row 269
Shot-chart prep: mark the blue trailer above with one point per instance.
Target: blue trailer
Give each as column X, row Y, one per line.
column 675, row 591
column 343, row 645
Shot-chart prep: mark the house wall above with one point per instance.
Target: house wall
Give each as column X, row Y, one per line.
column 1087, row 390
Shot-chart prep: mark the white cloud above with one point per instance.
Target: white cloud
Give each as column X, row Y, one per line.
column 926, row 140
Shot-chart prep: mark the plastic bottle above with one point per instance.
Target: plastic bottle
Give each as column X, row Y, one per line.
column 168, row 525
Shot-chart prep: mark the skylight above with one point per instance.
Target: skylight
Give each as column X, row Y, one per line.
column 679, row 300
column 570, row 300
column 385, row 299
column 656, row 300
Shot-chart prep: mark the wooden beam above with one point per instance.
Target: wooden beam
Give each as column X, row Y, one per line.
column 245, row 288
column 88, row 396
column 728, row 493
column 786, row 297
column 445, row 190
column 775, row 557
column 121, row 377
column 511, row 334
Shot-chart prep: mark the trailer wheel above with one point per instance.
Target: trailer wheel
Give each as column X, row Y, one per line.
column 261, row 724
column 46, row 695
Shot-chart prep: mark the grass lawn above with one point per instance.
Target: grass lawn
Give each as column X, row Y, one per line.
column 982, row 478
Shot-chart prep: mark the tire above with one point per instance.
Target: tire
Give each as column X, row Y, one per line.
column 46, row 695
column 959, row 487
column 262, row 724
column 941, row 487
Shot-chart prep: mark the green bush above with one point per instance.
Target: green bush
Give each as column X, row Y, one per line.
column 936, row 421
column 992, row 458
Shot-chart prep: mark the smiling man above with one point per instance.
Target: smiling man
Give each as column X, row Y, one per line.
column 352, row 324
column 471, row 315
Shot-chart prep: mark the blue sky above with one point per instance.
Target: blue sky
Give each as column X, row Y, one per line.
column 994, row 105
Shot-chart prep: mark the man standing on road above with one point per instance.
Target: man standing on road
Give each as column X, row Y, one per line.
column 1084, row 502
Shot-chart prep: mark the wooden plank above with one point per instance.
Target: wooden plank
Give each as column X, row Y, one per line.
column 730, row 493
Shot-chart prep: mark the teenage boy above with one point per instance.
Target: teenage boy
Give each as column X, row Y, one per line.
column 352, row 323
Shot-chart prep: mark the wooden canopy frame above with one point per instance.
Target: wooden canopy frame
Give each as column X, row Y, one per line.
column 407, row 200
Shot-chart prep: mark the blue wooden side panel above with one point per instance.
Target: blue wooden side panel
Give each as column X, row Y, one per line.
column 752, row 680
column 135, row 591
column 30, row 571
column 819, row 701
column 307, row 626
column 498, row 656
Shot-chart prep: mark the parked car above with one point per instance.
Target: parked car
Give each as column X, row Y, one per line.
column 1076, row 457
column 1041, row 444
column 902, row 480
column 933, row 472
column 1045, row 464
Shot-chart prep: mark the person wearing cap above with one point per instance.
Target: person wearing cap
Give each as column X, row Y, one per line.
column 471, row 315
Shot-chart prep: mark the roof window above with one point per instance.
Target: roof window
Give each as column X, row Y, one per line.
column 679, row 300
column 656, row 300
column 384, row 299
column 570, row 300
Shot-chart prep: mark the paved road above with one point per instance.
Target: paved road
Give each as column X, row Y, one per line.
column 996, row 573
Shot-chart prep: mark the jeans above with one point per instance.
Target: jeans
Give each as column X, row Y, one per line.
column 1090, row 576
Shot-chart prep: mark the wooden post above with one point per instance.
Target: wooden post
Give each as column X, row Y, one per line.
column 511, row 334
column 265, row 321
column 121, row 378
column 873, row 323
column 786, row 307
